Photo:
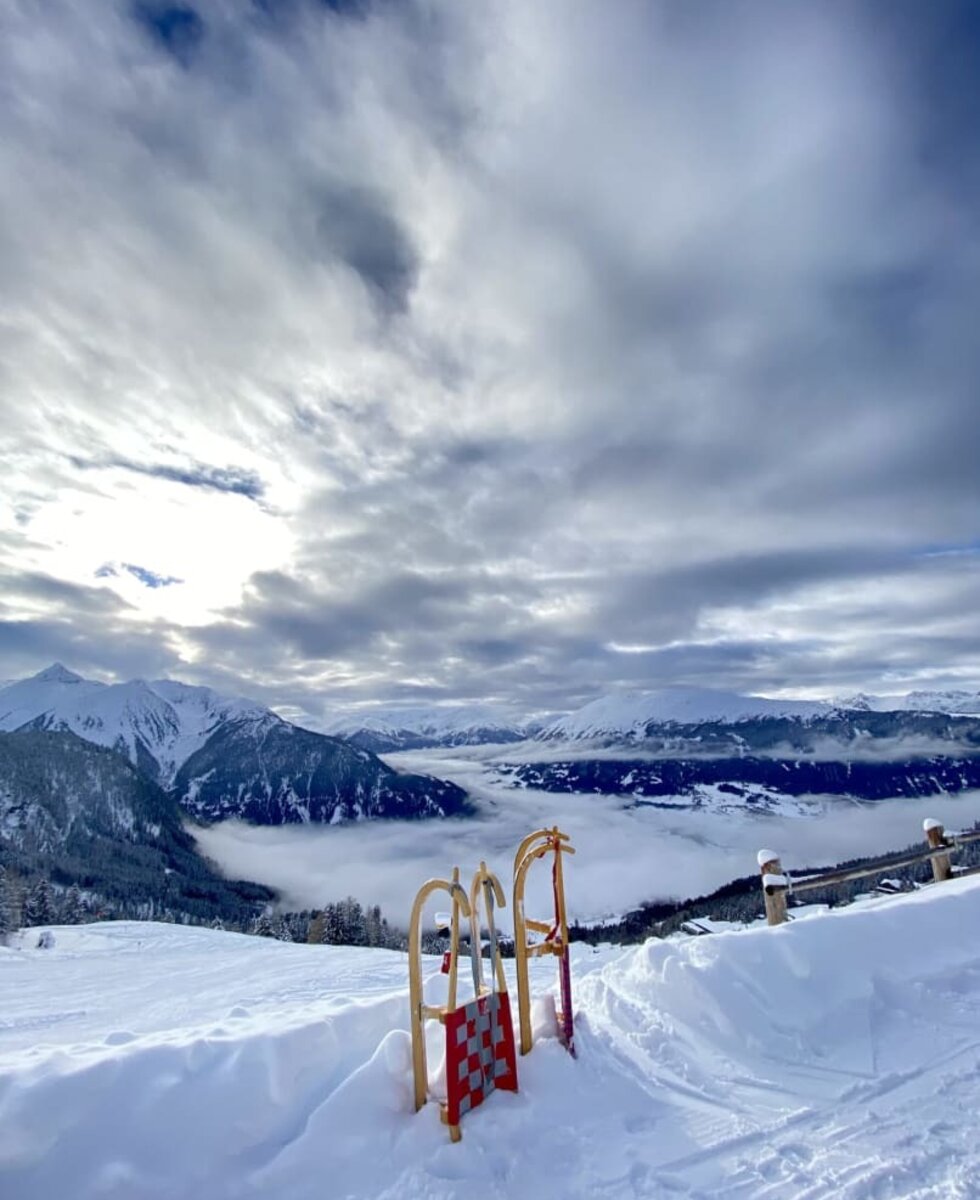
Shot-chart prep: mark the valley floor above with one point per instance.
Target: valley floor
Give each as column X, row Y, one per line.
column 838, row 1056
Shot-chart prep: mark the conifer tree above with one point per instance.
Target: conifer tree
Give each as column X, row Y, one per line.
column 38, row 907
column 73, row 912
column 373, row 926
column 353, row 928
column 6, row 908
column 263, row 926
column 333, row 932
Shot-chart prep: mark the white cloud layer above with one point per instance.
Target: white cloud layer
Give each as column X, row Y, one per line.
column 624, row 856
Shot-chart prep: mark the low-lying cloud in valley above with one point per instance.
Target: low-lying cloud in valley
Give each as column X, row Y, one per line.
column 624, row 855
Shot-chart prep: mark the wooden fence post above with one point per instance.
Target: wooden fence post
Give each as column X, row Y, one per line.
column 774, row 886
column 936, row 837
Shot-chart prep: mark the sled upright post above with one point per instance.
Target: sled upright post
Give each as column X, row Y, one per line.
column 421, row 1012
column 536, row 845
column 486, row 886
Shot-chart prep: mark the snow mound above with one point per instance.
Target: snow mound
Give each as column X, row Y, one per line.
column 836, row 1056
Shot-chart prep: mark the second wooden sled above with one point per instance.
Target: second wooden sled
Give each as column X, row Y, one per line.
column 535, row 846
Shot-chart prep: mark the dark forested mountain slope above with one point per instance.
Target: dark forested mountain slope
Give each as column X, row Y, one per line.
column 281, row 774
column 79, row 813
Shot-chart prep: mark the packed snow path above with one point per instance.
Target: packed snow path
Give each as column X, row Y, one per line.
column 838, row 1056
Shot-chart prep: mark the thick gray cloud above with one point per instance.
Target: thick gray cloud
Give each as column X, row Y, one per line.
column 514, row 352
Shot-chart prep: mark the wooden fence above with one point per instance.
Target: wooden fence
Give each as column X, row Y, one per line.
column 777, row 886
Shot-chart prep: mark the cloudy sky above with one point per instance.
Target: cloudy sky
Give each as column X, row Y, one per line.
column 521, row 352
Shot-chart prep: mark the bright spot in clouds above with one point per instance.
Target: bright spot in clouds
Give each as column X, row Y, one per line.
column 212, row 542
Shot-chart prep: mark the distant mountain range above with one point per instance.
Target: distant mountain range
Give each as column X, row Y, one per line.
column 220, row 756
column 224, row 757
column 965, row 703
column 383, row 729
column 629, row 716
column 697, row 747
column 622, row 718
column 728, row 752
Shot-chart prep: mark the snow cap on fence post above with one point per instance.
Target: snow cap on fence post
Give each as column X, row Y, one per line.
column 936, row 837
column 774, row 893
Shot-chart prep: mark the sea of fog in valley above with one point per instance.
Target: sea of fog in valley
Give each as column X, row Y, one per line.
column 624, row 855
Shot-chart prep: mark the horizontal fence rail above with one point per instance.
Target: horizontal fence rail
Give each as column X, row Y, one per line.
column 777, row 885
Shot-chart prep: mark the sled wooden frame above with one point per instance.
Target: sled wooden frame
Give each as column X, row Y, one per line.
column 484, row 881
column 535, row 846
column 420, row 1011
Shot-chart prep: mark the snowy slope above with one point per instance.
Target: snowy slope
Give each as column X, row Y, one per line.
column 627, row 714
column 162, row 721
column 966, row 703
column 23, row 700
column 818, row 1060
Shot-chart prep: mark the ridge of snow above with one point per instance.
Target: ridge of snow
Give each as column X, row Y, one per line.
column 171, row 719
column 57, row 673
column 429, row 720
column 628, row 713
column 956, row 702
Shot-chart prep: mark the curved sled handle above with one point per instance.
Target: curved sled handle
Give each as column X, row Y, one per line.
column 487, row 884
column 543, row 835
column 418, row 1010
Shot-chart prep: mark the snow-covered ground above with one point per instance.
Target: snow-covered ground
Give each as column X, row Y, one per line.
column 838, row 1056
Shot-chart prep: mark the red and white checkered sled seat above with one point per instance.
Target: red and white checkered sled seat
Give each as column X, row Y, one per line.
column 480, row 1053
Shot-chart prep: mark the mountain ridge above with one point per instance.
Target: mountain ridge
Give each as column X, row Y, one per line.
column 269, row 771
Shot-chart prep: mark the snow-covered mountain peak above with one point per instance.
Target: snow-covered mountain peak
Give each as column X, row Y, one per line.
column 381, row 728
column 628, row 713
column 187, row 697
column 57, row 673
column 431, row 718
column 163, row 721
column 225, row 756
column 24, row 700
column 957, row 702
